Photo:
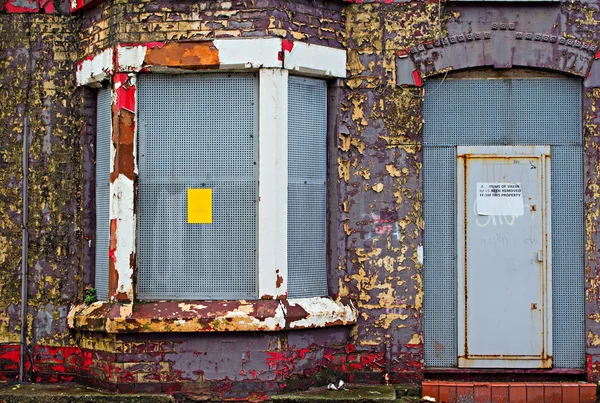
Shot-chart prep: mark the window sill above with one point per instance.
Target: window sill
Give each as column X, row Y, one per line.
column 211, row 316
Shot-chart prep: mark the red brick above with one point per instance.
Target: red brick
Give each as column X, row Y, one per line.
column 587, row 393
column 535, row 392
column 431, row 389
column 552, row 393
column 482, row 392
column 570, row 392
column 517, row 393
column 500, row 393
column 447, row 392
column 464, row 392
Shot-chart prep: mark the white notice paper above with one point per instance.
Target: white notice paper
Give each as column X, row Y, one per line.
column 497, row 198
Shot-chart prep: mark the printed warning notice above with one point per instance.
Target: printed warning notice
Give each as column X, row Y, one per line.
column 499, row 199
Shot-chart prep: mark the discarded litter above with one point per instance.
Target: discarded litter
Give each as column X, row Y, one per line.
column 332, row 386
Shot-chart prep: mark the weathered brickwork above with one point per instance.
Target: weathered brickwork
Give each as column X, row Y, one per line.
column 36, row 61
column 377, row 165
column 154, row 21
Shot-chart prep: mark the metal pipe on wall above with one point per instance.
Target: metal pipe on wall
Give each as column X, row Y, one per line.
column 24, row 263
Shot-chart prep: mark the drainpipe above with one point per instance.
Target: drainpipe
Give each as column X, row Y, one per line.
column 24, row 263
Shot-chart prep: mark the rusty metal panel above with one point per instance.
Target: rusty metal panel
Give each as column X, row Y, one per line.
column 439, row 276
column 103, row 146
column 197, row 131
column 504, row 259
column 568, row 246
column 307, row 176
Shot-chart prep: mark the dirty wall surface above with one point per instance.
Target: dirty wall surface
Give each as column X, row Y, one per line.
column 376, row 161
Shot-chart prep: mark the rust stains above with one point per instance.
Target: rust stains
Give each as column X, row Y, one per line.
column 184, row 55
column 124, row 163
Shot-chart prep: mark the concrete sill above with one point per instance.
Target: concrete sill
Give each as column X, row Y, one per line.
column 212, row 316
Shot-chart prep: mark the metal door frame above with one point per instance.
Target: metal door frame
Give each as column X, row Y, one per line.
column 464, row 360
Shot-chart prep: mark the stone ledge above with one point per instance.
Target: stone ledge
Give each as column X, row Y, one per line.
column 212, row 316
column 70, row 393
column 348, row 393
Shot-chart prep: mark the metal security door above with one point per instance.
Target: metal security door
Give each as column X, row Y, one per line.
column 503, row 233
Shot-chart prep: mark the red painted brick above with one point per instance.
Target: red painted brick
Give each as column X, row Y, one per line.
column 464, row 392
column 517, row 393
column 570, row 392
column 500, row 393
column 587, row 393
column 552, row 393
column 431, row 389
column 447, row 392
column 482, row 392
column 535, row 392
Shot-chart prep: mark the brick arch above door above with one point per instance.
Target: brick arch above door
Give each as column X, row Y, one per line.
column 500, row 47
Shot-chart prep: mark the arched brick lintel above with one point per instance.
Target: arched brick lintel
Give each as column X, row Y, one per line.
column 500, row 50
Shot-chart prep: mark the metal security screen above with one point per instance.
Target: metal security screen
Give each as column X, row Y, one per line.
column 307, row 170
column 439, row 288
column 103, row 146
column 197, row 132
column 503, row 112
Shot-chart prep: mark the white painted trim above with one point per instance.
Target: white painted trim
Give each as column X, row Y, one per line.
column 272, row 191
column 316, row 60
column 95, row 70
column 130, row 58
column 249, row 53
column 122, row 209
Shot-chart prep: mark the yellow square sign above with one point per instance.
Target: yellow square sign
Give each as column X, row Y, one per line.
column 199, row 206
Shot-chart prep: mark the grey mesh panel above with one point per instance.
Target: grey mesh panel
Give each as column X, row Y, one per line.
column 197, row 131
column 307, row 170
column 439, row 305
column 103, row 146
column 502, row 112
column 568, row 298
column 507, row 112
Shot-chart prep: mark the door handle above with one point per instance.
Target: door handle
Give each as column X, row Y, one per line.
column 540, row 256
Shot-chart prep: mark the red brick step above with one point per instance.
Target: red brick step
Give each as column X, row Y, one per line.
column 511, row 392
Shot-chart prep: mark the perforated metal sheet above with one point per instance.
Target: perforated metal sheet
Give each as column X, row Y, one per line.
column 103, row 140
column 439, row 297
column 307, row 171
column 568, row 298
column 503, row 112
column 197, row 131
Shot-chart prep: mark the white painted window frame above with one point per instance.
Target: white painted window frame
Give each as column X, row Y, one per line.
column 274, row 58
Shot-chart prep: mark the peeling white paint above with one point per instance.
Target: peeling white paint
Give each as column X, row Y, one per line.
column 249, row 53
column 323, row 312
column 420, row 254
column 271, row 323
column 191, row 307
column 316, row 60
column 130, row 58
column 95, row 70
column 273, row 183
column 121, row 208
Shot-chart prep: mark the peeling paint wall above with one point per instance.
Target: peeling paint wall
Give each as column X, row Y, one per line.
column 376, row 164
column 163, row 21
column 36, row 61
